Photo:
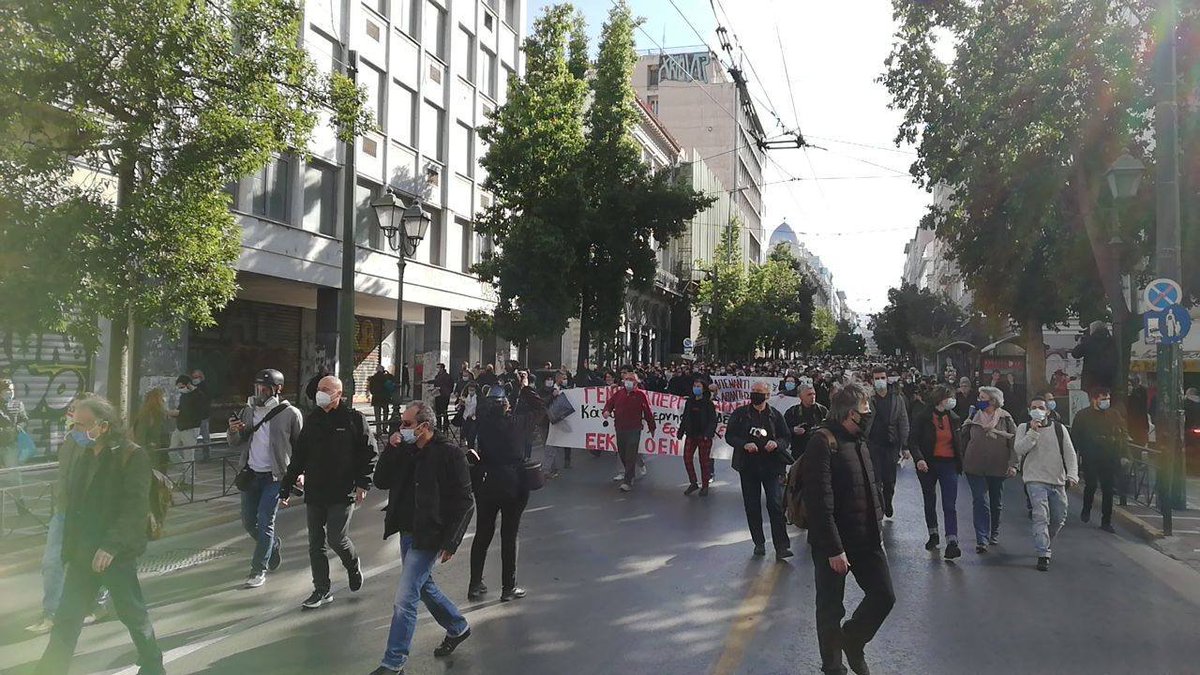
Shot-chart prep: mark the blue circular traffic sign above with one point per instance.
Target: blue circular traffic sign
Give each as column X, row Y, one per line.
column 1163, row 293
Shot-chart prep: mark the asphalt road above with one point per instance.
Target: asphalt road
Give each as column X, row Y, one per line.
column 656, row 583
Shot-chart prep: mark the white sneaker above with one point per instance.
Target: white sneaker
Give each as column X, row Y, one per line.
column 625, row 487
column 256, row 580
column 642, row 471
column 619, row 477
column 43, row 626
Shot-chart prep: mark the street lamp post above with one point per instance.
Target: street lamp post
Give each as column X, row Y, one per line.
column 404, row 228
column 1124, row 178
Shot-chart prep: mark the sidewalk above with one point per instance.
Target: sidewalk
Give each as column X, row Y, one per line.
column 1184, row 542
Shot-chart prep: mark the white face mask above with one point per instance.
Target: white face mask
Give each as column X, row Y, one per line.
column 628, row 385
column 1037, row 414
column 1105, row 403
column 323, row 399
column 880, row 385
column 949, row 403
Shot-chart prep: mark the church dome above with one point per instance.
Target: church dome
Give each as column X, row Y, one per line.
column 784, row 234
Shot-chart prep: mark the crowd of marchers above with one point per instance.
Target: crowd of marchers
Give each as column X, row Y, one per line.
column 832, row 456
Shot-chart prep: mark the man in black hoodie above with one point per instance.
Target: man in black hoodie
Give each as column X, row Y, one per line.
column 333, row 459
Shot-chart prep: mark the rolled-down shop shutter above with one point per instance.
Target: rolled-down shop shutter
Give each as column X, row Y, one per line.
column 248, row 336
column 368, row 336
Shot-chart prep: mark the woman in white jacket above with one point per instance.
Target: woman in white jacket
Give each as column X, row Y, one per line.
column 1044, row 455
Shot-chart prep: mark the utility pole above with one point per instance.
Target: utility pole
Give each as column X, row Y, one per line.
column 345, row 350
column 1167, row 258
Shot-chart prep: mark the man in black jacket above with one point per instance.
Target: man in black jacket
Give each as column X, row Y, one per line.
column 444, row 386
column 381, row 396
column 104, row 534
column 194, row 404
column 888, row 435
column 430, row 505
column 804, row 417
column 844, row 533
column 1100, row 437
column 335, row 454
column 760, row 440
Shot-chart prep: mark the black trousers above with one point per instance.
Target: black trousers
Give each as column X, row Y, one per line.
column 382, row 416
column 510, row 510
column 78, row 599
column 1099, row 473
column 870, row 570
column 884, row 458
column 329, row 523
column 441, row 406
column 757, row 483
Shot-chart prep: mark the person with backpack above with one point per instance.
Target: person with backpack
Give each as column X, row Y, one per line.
column 699, row 423
column 109, row 485
column 1047, row 462
column 336, row 453
column 937, row 452
column 760, row 440
column 264, row 432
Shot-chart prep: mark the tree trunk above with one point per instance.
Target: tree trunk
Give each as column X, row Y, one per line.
column 585, row 340
column 119, row 361
column 1035, row 357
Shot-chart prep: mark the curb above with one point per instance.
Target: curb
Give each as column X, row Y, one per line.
column 34, row 562
column 1140, row 525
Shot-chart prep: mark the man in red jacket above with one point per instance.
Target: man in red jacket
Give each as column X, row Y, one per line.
column 629, row 406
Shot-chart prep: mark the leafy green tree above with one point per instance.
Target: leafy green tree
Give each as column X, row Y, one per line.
column 1015, row 135
column 781, row 300
column 847, row 342
column 722, row 294
column 121, row 124
column 825, row 330
column 916, row 321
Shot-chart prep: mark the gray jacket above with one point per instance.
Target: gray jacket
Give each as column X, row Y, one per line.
column 284, row 429
column 897, row 422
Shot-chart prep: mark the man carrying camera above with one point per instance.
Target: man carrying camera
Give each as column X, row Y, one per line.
column 760, row 438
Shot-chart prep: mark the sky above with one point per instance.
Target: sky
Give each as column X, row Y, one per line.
column 854, row 204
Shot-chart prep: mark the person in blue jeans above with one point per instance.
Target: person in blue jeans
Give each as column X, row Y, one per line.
column 937, row 453
column 430, row 505
column 265, row 432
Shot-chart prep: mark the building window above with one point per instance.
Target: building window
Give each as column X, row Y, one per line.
column 270, row 190
column 366, row 227
column 379, row 6
column 468, row 238
column 462, row 151
column 510, row 12
column 433, row 132
column 374, row 82
column 489, row 21
column 320, row 198
column 487, row 73
column 652, row 103
column 404, row 114
column 464, row 55
column 437, row 238
column 409, row 12
column 435, row 30
column 652, row 75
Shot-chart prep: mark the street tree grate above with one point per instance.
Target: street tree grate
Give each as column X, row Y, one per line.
column 180, row 559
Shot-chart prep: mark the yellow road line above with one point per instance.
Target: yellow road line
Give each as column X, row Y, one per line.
column 746, row 622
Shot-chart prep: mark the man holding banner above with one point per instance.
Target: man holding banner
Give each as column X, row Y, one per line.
column 629, row 406
column 760, row 440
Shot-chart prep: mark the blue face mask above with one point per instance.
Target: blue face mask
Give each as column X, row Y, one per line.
column 1104, row 404
column 81, row 439
column 698, row 391
column 790, row 386
column 1051, row 404
column 983, row 405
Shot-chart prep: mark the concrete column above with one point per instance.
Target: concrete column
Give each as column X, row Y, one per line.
column 327, row 331
column 436, row 342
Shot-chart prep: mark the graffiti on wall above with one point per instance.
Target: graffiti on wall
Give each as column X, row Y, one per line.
column 48, row 371
column 685, row 67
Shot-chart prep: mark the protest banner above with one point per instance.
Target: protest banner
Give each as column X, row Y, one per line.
column 587, row 428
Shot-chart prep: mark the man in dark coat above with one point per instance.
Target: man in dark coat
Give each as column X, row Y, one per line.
column 1099, row 353
column 381, row 395
column 844, row 514
column 335, row 454
column 1099, row 435
column 888, row 435
column 760, row 439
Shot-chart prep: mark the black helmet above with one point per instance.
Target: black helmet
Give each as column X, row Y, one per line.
column 269, row 377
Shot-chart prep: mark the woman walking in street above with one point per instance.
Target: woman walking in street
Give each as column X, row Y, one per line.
column 988, row 439
column 699, row 423
column 938, row 458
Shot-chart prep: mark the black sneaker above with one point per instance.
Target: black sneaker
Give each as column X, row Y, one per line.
column 317, row 599
column 783, row 554
column 384, row 670
column 1085, row 516
column 1107, row 527
column 1043, row 564
column 888, row 511
column 933, row 543
column 510, row 594
column 449, row 644
column 276, row 558
column 760, row 550
column 354, row 573
column 704, row 491
column 476, row 591
column 856, row 660
column 691, row 489
column 980, row 549
column 994, row 540
column 952, row 551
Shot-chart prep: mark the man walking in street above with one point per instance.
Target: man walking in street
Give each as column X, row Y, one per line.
column 804, row 418
column 629, row 407
column 381, row 396
column 444, row 386
column 202, row 388
column 264, row 432
column 430, row 505
column 1046, row 458
column 336, row 454
column 193, row 408
column 844, row 514
column 760, row 439
column 888, row 434
column 1099, row 437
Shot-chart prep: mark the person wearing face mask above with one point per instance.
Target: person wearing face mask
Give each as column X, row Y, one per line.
column 629, row 407
column 554, row 456
column 1100, row 437
column 264, row 433
column 335, row 452
column 381, row 397
column 760, row 439
column 430, row 505
column 699, row 423
column 790, row 386
column 888, row 435
column 104, row 534
column 192, row 408
column 804, row 417
column 1046, row 459
column 988, row 438
column 845, row 534
column 443, row 386
column 938, row 456
column 13, row 419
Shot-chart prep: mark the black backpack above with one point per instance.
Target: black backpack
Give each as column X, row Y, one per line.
column 161, row 498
